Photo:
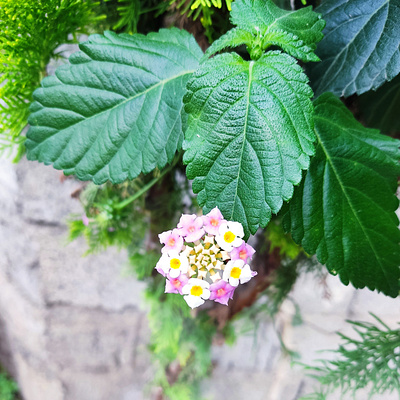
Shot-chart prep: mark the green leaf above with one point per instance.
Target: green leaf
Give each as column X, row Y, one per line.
column 250, row 134
column 360, row 49
column 296, row 32
column 344, row 210
column 114, row 112
column 233, row 38
column 381, row 108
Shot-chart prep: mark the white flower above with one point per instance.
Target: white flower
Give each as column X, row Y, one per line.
column 230, row 235
column 236, row 271
column 196, row 291
column 173, row 263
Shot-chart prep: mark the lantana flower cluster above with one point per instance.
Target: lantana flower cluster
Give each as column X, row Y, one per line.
column 205, row 257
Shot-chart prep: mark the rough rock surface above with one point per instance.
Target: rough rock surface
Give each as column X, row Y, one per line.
column 73, row 327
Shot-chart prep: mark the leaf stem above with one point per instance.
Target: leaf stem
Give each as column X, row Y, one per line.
column 145, row 188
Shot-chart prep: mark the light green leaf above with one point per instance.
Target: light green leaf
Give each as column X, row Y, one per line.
column 296, row 32
column 344, row 210
column 115, row 111
column 250, row 133
column 233, row 38
column 360, row 49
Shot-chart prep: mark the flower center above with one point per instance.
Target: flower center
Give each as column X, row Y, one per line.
column 177, row 283
column 235, row 272
column 214, row 222
column 171, row 242
column 175, row 263
column 243, row 254
column 229, row 237
column 192, row 229
column 196, row 291
column 221, row 292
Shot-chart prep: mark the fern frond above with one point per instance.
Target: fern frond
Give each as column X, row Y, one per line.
column 30, row 32
column 371, row 361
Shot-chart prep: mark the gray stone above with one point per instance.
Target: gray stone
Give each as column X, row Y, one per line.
column 71, row 324
column 37, row 383
column 91, row 340
column 45, row 194
column 71, row 327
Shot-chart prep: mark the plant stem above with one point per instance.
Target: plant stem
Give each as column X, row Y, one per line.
column 145, row 188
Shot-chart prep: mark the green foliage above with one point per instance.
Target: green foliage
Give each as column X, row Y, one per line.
column 209, row 3
column 344, row 210
column 233, row 38
column 360, row 49
column 131, row 13
column 282, row 241
column 178, row 337
column 30, row 32
column 121, row 97
column 212, row 14
column 261, row 24
column 8, row 388
column 250, row 134
column 381, row 108
column 108, row 224
column 372, row 361
column 143, row 262
column 194, row 8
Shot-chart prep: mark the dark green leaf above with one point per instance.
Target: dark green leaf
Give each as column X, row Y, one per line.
column 250, row 134
column 360, row 49
column 344, row 210
column 381, row 108
column 114, row 112
column 296, row 32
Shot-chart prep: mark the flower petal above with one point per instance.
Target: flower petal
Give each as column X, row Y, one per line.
column 206, row 294
column 246, row 274
column 170, row 288
column 233, row 281
column 193, row 301
column 174, row 273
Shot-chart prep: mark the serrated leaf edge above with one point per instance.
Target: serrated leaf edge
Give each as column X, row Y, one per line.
column 328, row 159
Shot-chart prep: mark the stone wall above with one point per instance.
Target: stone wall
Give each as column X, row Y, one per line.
column 74, row 328
column 71, row 327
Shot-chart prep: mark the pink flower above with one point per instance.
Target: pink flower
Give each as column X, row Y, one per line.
column 175, row 285
column 212, row 221
column 191, row 227
column 221, row 292
column 243, row 252
column 172, row 241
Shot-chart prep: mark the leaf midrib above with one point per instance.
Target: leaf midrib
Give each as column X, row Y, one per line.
column 244, row 134
column 161, row 82
column 329, row 160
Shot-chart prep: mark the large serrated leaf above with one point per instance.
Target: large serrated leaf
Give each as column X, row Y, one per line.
column 380, row 109
column 250, row 134
column 115, row 111
column 360, row 49
column 344, row 210
column 296, row 32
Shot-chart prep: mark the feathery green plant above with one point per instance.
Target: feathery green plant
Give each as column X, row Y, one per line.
column 180, row 344
column 372, row 361
column 30, row 32
column 131, row 12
